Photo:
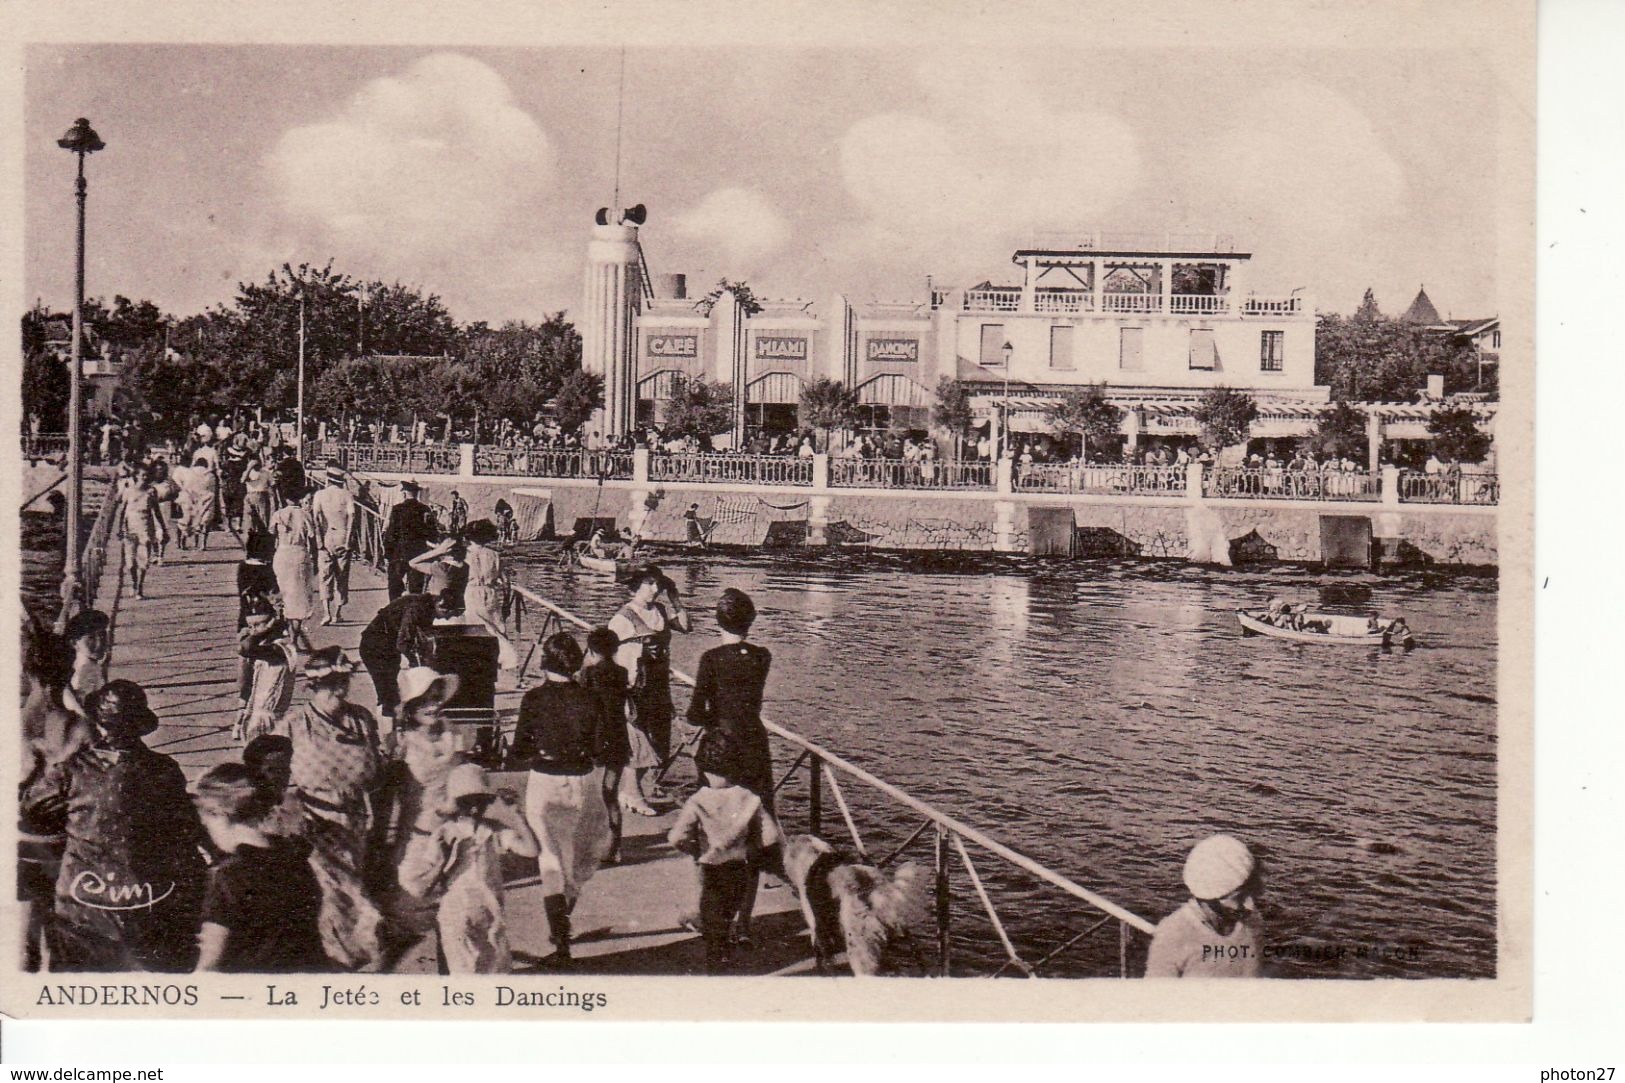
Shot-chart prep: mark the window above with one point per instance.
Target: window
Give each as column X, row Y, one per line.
column 1271, row 351
column 1203, row 353
column 993, row 344
column 1130, row 349
column 1060, row 347
column 1495, row 339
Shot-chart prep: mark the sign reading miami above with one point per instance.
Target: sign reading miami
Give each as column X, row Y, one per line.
column 781, row 347
column 673, row 345
column 894, row 349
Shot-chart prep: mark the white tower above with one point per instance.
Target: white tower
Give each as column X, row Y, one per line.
column 614, row 297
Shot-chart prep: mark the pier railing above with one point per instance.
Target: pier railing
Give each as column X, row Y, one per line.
column 552, row 462
column 45, row 445
column 743, row 469
column 906, row 474
column 953, row 847
column 1264, row 483
column 1417, row 487
column 389, row 458
column 1102, row 478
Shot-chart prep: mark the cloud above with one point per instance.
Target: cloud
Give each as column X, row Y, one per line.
column 986, row 159
column 740, row 223
column 417, row 165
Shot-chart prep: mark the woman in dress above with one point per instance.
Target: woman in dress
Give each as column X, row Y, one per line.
column 728, row 699
column 295, row 566
column 564, row 798
column 266, row 676
column 256, row 496
column 335, row 770
column 486, row 595
column 644, row 626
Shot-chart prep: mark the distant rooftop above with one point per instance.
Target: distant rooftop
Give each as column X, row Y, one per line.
column 1140, row 243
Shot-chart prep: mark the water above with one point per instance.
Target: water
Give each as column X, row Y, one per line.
column 1102, row 717
column 40, row 544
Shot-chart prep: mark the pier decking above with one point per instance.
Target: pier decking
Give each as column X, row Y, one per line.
column 179, row 643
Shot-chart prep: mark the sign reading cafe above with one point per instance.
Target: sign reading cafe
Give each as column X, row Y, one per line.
column 661, row 344
column 894, row 349
column 781, row 347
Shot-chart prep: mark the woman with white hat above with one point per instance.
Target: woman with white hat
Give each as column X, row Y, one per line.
column 463, row 865
column 1217, row 933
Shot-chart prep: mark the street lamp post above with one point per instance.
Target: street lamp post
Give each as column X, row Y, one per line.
column 1004, row 404
column 81, row 140
column 299, row 404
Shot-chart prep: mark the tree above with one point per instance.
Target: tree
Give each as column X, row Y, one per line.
column 1340, row 433
column 45, row 376
column 1368, row 309
column 1087, row 412
column 1374, row 358
column 547, row 352
column 699, row 408
column 579, row 396
column 1226, row 416
column 1456, row 436
column 742, row 293
column 827, row 405
column 952, row 411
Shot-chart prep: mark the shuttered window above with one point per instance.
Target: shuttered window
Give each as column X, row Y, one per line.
column 1203, row 353
column 1271, row 351
column 1060, row 347
column 1131, row 349
column 993, row 344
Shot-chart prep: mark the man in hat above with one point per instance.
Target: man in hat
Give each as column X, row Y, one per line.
column 131, row 881
column 1217, row 932
column 333, row 509
column 288, row 476
column 409, row 533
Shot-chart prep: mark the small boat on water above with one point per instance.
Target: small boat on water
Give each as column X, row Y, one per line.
column 1332, row 629
column 599, row 564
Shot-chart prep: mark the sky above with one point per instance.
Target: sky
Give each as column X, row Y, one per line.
column 474, row 173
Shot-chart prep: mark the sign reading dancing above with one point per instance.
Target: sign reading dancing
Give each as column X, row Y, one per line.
column 894, row 349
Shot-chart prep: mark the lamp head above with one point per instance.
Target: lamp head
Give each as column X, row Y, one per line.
column 1008, row 350
column 81, row 138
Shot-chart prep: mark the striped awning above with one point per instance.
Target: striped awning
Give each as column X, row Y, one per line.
column 660, row 385
column 775, row 387
column 890, row 389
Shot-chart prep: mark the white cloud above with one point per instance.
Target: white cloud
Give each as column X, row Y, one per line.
column 417, row 165
column 740, row 223
column 989, row 158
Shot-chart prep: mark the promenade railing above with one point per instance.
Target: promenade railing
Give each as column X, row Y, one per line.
column 45, row 445
column 1418, row 487
column 1264, row 483
column 552, row 462
column 907, row 474
column 388, row 458
column 1108, row 479
column 724, row 468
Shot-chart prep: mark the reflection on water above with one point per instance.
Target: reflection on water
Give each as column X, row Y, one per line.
column 1102, row 717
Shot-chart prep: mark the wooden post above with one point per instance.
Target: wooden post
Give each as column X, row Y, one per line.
column 815, row 801
column 942, row 900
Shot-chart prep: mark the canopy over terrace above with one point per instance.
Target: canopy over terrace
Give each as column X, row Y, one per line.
column 1277, row 418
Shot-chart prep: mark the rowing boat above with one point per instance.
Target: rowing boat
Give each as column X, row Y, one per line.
column 598, row 564
column 1331, row 629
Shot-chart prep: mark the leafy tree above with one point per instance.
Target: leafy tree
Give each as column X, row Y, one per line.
column 1341, row 433
column 1456, row 435
column 1374, row 358
column 579, row 396
column 827, row 405
column 952, row 411
column 699, row 408
column 546, row 353
column 1087, row 412
column 45, row 376
column 1226, row 416
column 742, row 293
column 1368, row 309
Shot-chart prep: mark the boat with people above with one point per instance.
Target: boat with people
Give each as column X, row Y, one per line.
column 1300, row 624
column 600, row 555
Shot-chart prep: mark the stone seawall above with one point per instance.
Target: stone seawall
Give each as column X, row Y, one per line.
column 1223, row 532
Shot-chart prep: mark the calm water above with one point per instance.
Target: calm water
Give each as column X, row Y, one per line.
column 1102, row 717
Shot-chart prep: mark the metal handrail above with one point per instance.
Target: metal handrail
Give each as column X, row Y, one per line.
column 952, row 833
column 93, row 557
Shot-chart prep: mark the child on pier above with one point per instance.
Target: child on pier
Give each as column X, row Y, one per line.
column 727, row 831
column 464, row 862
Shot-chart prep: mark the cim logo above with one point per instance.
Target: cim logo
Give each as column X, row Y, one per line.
column 894, row 349
column 673, row 345
column 781, row 348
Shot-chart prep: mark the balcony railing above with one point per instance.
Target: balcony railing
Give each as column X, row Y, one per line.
column 45, row 445
column 1264, row 483
column 1272, row 306
column 1198, row 304
column 1416, row 487
column 552, row 462
column 388, row 458
column 993, row 300
column 1063, row 301
column 733, row 469
column 1106, row 479
column 1131, row 302
column 903, row 474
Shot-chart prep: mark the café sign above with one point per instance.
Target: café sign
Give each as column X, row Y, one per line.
column 894, row 349
column 781, row 347
column 678, row 346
